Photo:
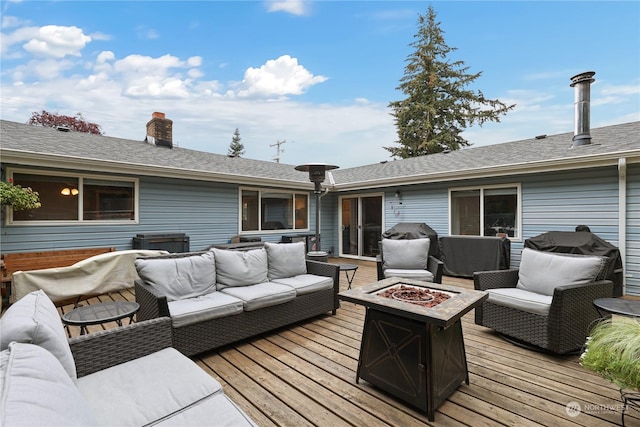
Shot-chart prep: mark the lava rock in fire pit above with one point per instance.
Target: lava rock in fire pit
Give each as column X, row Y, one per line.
column 414, row 295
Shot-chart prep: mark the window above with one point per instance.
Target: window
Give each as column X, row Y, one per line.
column 264, row 210
column 486, row 211
column 69, row 198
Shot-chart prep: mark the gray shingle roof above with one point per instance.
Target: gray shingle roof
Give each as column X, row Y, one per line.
column 25, row 142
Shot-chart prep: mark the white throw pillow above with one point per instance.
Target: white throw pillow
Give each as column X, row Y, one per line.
column 410, row 254
column 240, row 268
column 35, row 390
column 542, row 272
column 179, row 277
column 286, row 259
column 33, row 319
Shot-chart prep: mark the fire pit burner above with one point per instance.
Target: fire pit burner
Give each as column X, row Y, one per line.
column 415, row 295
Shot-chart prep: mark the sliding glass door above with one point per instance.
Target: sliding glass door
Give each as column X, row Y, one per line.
column 361, row 225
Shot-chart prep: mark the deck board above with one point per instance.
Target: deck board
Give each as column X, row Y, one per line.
column 304, row 375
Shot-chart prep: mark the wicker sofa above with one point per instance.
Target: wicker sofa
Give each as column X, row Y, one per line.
column 219, row 296
column 547, row 303
column 128, row 375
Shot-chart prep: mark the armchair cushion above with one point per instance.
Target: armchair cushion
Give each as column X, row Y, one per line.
column 240, row 268
column 285, row 259
column 407, row 254
column 542, row 272
column 33, row 319
column 35, row 389
column 519, row 299
column 423, row 275
column 179, row 277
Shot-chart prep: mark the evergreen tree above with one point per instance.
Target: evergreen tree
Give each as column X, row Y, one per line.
column 438, row 106
column 236, row 148
column 76, row 123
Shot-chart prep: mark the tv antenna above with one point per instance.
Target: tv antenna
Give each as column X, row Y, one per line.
column 278, row 149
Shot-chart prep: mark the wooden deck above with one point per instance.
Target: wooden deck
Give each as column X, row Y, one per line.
column 304, row 375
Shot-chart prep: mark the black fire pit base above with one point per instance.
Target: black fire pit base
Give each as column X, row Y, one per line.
column 418, row 362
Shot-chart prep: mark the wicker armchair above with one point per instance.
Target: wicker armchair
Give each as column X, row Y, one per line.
column 432, row 266
column 562, row 319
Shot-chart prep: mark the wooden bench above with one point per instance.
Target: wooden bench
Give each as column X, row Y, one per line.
column 26, row 261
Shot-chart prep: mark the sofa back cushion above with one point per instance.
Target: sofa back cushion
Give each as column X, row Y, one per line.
column 541, row 272
column 285, row 260
column 33, row 319
column 179, row 277
column 240, row 268
column 411, row 254
column 36, row 390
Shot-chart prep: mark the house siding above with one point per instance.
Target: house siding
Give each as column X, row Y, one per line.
column 632, row 267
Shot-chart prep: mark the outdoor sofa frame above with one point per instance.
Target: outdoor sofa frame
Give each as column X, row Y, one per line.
column 210, row 334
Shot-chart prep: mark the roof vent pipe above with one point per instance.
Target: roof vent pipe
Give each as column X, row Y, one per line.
column 582, row 100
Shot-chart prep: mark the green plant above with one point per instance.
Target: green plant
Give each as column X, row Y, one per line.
column 17, row 197
column 613, row 351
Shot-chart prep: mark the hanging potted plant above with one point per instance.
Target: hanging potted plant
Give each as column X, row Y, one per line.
column 17, row 197
column 613, row 351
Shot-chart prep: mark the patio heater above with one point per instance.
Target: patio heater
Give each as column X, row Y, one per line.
column 317, row 172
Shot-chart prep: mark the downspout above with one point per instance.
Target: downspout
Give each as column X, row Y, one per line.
column 622, row 217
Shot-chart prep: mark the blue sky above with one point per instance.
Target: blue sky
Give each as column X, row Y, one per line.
column 316, row 74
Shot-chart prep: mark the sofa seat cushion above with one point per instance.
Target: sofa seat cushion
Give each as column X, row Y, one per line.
column 421, row 274
column 261, row 295
column 240, row 268
column 520, row 299
column 307, row 283
column 210, row 306
column 407, row 254
column 216, row 410
column 35, row 390
column 33, row 319
column 285, row 260
column 146, row 389
column 542, row 272
column 179, row 277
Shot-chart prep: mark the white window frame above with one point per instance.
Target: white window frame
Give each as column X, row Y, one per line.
column 80, row 221
column 260, row 191
column 518, row 186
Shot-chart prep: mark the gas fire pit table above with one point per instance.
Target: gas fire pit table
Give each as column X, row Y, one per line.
column 414, row 350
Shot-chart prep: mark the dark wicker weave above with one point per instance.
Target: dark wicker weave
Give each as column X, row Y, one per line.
column 434, row 265
column 210, row 334
column 100, row 350
column 566, row 327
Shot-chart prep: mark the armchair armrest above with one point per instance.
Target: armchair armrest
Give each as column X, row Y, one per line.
column 152, row 303
column 436, row 267
column 483, row 280
column 329, row 270
column 379, row 267
column 100, row 350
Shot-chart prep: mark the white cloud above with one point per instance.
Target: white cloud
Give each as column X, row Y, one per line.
column 57, row 41
column 294, row 7
column 278, row 77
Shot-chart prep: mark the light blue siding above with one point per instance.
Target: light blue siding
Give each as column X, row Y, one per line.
column 633, row 230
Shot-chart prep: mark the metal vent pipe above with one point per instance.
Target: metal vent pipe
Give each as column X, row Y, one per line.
column 582, row 102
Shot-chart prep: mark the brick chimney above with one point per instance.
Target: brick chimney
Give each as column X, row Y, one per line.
column 160, row 130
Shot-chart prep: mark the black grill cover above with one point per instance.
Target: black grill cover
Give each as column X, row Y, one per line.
column 584, row 243
column 414, row 230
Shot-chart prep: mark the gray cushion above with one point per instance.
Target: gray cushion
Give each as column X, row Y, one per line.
column 179, row 277
column 240, row 268
column 147, row 389
column 521, row 300
column 35, row 390
column 216, row 410
column 285, row 259
column 261, row 295
column 542, row 272
column 35, row 320
column 205, row 307
column 420, row 274
column 307, row 283
column 411, row 254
